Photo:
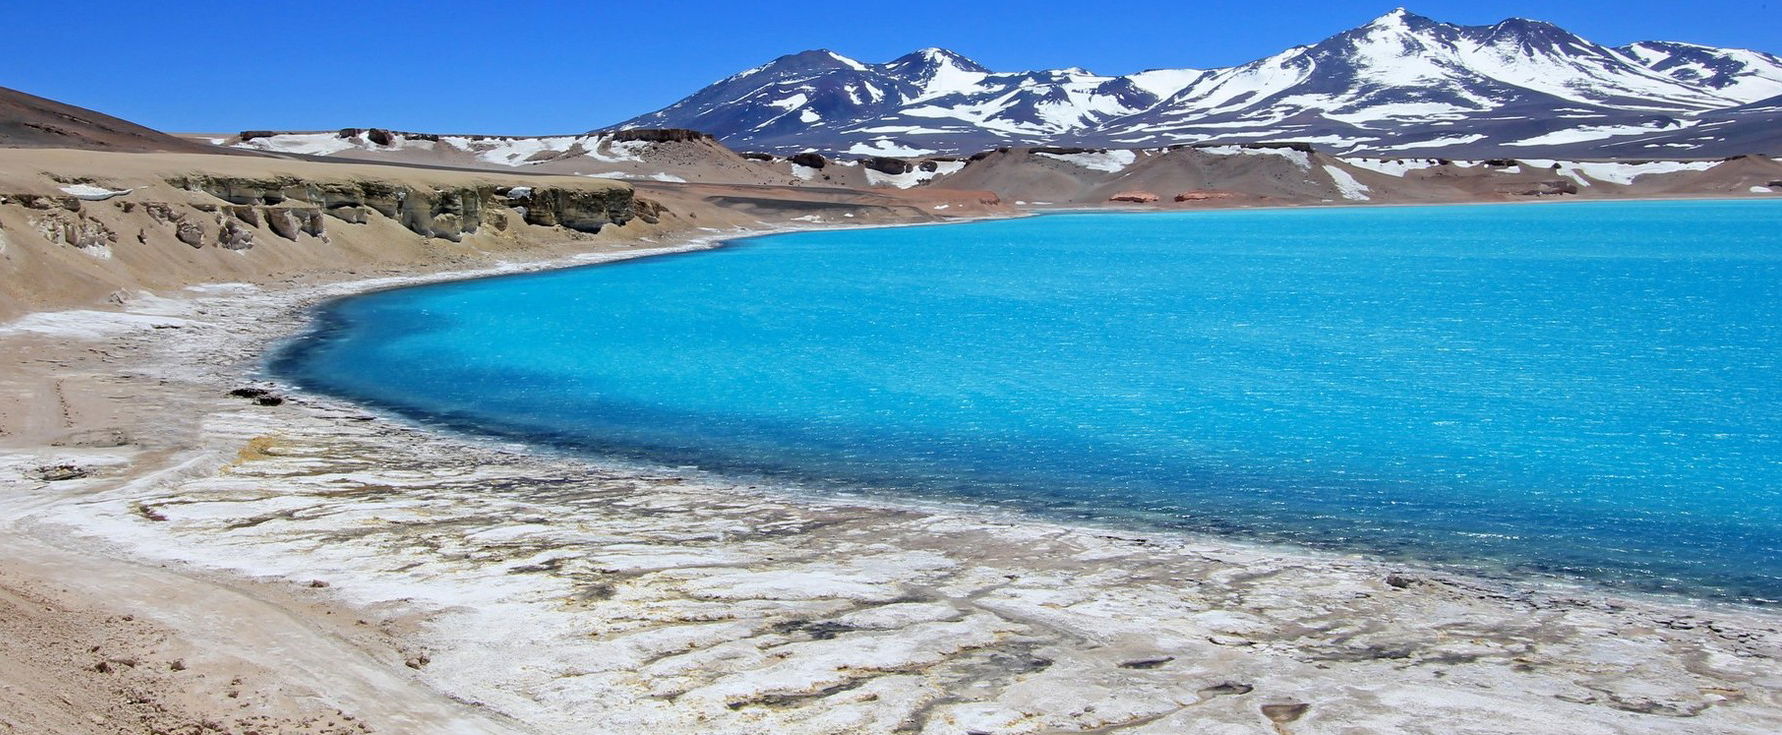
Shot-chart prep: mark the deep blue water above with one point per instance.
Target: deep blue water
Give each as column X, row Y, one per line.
column 1583, row 389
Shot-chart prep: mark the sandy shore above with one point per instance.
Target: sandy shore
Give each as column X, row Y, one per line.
column 176, row 556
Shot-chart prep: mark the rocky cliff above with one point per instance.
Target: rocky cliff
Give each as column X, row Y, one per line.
column 117, row 222
column 447, row 212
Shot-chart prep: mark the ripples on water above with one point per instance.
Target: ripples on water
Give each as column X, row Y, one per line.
column 1588, row 389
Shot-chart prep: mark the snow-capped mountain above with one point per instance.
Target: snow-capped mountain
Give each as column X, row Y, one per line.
column 1402, row 82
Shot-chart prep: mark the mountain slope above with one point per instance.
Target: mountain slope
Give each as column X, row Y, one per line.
column 29, row 121
column 1401, row 82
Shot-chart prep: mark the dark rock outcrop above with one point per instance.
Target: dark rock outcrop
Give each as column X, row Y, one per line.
column 810, row 160
column 660, row 135
column 582, row 211
column 1288, row 145
column 885, row 165
column 289, row 205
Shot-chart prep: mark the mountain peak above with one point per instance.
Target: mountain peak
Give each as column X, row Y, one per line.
column 812, row 60
column 935, row 57
column 1526, row 25
column 1398, row 22
column 823, row 57
column 1401, row 80
column 1400, row 17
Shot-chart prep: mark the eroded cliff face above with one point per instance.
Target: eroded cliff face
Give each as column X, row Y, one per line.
column 290, row 208
column 288, row 205
column 78, row 227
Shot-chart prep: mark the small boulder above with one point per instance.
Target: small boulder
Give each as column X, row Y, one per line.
column 190, row 233
column 1400, row 581
column 60, row 472
column 248, row 215
column 887, row 165
column 235, row 237
column 312, row 222
column 282, row 223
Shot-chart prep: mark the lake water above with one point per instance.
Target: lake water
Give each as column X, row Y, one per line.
column 1582, row 389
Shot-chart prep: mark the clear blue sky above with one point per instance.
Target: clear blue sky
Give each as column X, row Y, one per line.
column 553, row 67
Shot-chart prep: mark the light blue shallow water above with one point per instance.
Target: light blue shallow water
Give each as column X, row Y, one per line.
column 1587, row 389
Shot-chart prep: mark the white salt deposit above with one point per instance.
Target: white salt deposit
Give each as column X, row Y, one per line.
column 93, row 193
column 89, row 324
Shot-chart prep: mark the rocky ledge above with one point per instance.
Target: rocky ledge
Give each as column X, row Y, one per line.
column 449, row 212
column 235, row 210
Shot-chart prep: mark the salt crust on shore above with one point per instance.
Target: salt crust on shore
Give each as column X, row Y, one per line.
column 578, row 597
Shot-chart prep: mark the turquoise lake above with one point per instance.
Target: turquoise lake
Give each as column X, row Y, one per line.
column 1588, row 390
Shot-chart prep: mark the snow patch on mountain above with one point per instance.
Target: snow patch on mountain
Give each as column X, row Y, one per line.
column 1625, row 173
column 307, row 144
column 1111, row 161
column 1299, row 158
column 1394, row 167
column 1346, row 184
column 1599, row 132
column 884, row 147
column 1442, row 142
column 1400, row 82
column 913, row 177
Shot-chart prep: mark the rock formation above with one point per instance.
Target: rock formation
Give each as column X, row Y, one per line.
column 1202, row 195
column 289, row 205
column 1141, row 197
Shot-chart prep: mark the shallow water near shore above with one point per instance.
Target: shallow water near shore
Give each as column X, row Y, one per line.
column 1581, row 389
